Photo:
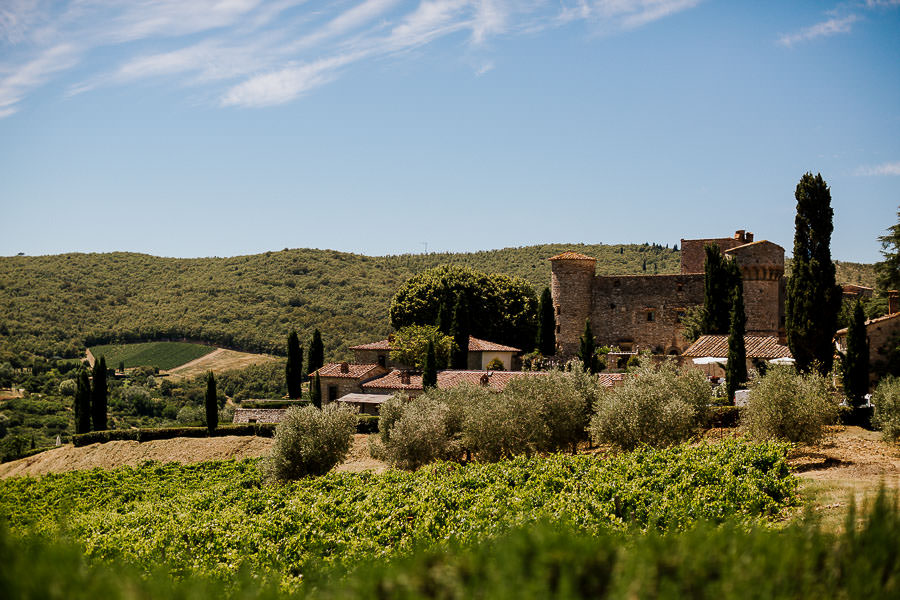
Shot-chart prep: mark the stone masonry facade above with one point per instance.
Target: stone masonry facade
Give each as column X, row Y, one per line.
column 644, row 312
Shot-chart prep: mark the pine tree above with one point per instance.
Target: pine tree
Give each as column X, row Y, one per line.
column 717, row 293
column 588, row 346
column 315, row 391
column 813, row 298
column 736, row 367
column 316, row 352
column 546, row 336
column 888, row 270
column 429, row 371
column 293, row 370
column 99, row 393
column 212, row 403
column 83, row 403
column 459, row 331
column 856, row 363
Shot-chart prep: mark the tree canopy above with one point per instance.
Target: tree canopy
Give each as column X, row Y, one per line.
column 501, row 308
column 888, row 270
column 410, row 346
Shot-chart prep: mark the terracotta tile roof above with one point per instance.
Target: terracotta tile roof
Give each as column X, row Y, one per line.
column 757, row 347
column 569, row 255
column 497, row 380
column 611, row 379
column 354, row 371
column 475, row 345
column 843, row 332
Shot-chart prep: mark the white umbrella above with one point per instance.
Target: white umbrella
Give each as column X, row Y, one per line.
column 784, row 360
column 709, row 360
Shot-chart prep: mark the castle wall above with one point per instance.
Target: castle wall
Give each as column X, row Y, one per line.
column 762, row 268
column 571, row 287
column 693, row 252
column 643, row 310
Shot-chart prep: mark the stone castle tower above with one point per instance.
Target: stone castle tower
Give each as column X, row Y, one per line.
column 645, row 311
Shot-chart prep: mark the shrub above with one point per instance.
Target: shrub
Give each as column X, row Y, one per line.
column 367, row 424
column 495, row 365
column 310, row 441
column 887, row 408
column 785, row 405
column 655, row 406
column 425, row 432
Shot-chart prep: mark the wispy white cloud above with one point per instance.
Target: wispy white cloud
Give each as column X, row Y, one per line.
column 263, row 52
column 827, row 28
column 891, row 168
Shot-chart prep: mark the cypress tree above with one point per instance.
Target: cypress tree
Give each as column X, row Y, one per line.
column 99, row 393
column 717, row 292
column 459, row 330
column 83, row 403
column 546, row 336
column 315, row 391
column 813, row 298
column 316, row 352
column 444, row 320
column 586, row 351
column 856, row 365
column 293, row 370
column 429, row 371
column 212, row 403
column 736, row 367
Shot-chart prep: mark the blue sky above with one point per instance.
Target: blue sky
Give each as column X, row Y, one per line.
column 226, row 127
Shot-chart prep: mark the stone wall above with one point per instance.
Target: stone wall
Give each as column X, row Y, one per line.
column 372, row 357
column 343, row 385
column 762, row 269
column 693, row 252
column 258, row 415
column 571, row 285
column 643, row 309
column 880, row 332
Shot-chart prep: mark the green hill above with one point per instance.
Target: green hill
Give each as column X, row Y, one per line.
column 55, row 305
column 162, row 355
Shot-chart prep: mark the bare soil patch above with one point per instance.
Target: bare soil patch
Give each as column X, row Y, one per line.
column 218, row 361
column 184, row 450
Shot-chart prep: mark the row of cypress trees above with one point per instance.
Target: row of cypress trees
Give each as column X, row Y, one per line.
column 91, row 398
column 293, row 370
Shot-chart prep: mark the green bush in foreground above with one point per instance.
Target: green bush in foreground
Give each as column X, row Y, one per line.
column 787, row 406
column 534, row 562
column 310, row 441
column 887, row 408
column 209, row 518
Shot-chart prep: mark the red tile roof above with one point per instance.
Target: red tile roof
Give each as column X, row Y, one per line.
column 475, row 345
column 354, row 371
column 610, row 379
column 843, row 332
column 497, row 380
column 757, row 347
column 569, row 255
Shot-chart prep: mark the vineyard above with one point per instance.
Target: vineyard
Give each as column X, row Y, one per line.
column 212, row 518
column 162, row 355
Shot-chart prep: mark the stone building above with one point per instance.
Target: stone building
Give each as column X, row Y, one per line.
column 882, row 334
column 644, row 312
column 481, row 353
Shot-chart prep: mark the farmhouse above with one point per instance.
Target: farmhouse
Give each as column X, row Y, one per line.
column 645, row 312
column 481, row 354
column 881, row 333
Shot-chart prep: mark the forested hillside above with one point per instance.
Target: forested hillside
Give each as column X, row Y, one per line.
column 53, row 305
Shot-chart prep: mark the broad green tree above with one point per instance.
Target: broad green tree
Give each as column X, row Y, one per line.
column 813, row 298
column 546, row 336
column 736, row 367
column 587, row 348
column 429, row 370
column 83, row 403
column 99, row 394
column 459, row 331
column 212, row 402
column 316, row 352
column 293, row 370
column 856, row 361
column 410, row 346
column 888, row 270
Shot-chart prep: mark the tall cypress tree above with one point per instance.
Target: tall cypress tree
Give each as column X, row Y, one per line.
column 587, row 348
column 813, row 298
column 459, row 330
column 736, row 367
column 293, row 370
column 444, row 315
column 717, row 292
column 856, row 363
column 83, row 403
column 546, row 336
column 316, row 352
column 212, row 403
column 429, row 371
column 99, row 393
column 315, row 391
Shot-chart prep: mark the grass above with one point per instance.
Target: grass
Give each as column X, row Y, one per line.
column 162, row 355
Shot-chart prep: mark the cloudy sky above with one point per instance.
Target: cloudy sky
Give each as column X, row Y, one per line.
column 224, row 127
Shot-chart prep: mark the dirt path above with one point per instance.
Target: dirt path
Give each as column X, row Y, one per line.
column 183, row 450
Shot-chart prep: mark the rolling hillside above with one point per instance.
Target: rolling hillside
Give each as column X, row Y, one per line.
column 54, row 305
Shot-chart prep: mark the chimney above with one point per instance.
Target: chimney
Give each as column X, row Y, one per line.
column 739, row 234
column 748, row 237
column 345, row 368
column 404, row 377
column 485, row 379
column 893, row 301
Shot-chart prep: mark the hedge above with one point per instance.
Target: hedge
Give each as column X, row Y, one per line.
column 274, row 403
column 167, row 433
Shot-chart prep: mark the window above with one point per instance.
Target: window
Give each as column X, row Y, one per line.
column 616, row 283
column 651, row 316
column 332, row 393
column 557, row 329
column 679, row 316
column 558, row 310
column 382, row 360
column 680, row 287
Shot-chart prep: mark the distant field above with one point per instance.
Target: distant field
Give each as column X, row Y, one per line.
column 163, row 355
column 218, row 362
